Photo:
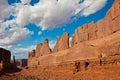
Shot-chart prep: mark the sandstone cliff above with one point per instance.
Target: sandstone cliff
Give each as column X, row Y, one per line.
column 62, row 42
column 91, row 41
column 109, row 25
column 43, row 49
column 95, row 49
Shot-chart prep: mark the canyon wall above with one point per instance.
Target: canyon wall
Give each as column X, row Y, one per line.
column 108, row 25
column 90, row 41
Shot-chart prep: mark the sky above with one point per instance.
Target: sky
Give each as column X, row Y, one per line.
column 25, row 23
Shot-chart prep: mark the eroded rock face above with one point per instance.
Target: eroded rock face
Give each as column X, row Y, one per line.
column 110, row 24
column 110, row 49
column 91, row 41
column 5, row 56
column 38, row 48
column 43, row 49
column 62, row 42
column 31, row 54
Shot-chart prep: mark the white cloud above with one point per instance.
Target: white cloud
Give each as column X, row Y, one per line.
column 4, row 9
column 52, row 44
column 19, row 52
column 92, row 6
column 10, row 35
column 53, row 13
column 22, row 52
column 7, row 47
column 25, row 1
column 46, row 14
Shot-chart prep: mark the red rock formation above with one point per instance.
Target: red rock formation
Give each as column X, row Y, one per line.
column 43, row 49
column 5, row 56
column 5, row 60
column 93, row 40
column 103, row 28
column 95, row 49
column 31, row 54
column 62, row 42
column 38, row 48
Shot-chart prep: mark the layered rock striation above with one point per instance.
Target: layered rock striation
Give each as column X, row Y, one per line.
column 108, row 25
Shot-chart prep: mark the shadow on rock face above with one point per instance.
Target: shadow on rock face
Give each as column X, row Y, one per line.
column 9, row 70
